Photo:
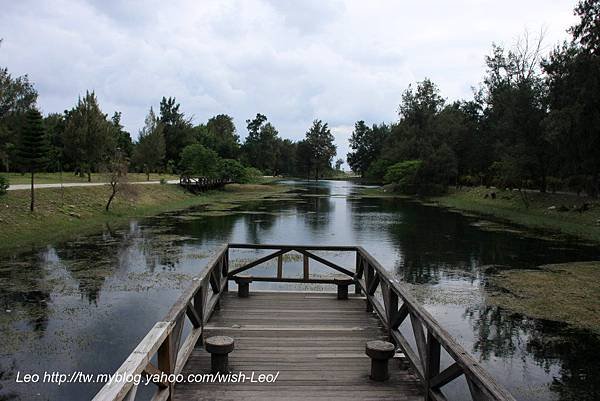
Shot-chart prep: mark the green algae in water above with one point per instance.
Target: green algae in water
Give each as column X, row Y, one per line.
column 567, row 292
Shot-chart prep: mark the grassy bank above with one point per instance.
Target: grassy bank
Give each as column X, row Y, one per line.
column 60, row 215
column 568, row 292
column 69, row 177
column 550, row 212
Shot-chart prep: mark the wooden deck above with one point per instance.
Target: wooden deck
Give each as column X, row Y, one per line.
column 314, row 340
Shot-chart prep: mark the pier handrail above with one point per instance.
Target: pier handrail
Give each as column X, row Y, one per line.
column 197, row 304
column 368, row 276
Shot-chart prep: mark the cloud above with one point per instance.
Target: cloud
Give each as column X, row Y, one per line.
column 339, row 61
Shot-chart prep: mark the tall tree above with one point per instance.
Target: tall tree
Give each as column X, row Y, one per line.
column 366, row 144
column 122, row 138
column 33, row 147
column 89, row 135
column 150, row 150
column 261, row 147
column 574, row 98
column 320, row 140
column 220, row 136
column 17, row 95
column 178, row 130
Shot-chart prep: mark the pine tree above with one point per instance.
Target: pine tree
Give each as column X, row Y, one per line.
column 33, row 147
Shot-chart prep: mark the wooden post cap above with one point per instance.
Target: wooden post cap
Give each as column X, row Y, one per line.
column 219, row 344
column 242, row 279
column 378, row 349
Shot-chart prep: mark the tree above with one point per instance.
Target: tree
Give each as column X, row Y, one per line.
column 261, row 147
column 304, row 159
column 150, row 150
column 54, row 124
column 574, row 100
column 178, row 130
column 17, row 95
column 122, row 137
column 33, row 147
column 322, row 148
column 514, row 107
column 116, row 170
column 366, row 144
column 219, row 135
column 233, row 170
column 198, row 160
column 338, row 164
column 89, row 136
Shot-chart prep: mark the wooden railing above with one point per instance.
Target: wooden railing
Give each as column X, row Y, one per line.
column 197, row 304
column 392, row 304
column 199, row 184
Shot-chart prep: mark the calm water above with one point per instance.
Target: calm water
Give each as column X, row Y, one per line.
column 84, row 305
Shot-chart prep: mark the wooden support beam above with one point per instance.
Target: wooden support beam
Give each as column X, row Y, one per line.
column 258, row 261
column 326, row 262
column 193, row 316
column 446, row 376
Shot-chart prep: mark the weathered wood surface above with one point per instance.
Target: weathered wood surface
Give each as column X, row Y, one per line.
column 315, row 341
column 292, row 332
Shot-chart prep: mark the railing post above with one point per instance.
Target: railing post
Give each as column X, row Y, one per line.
column 432, row 363
column 166, row 362
column 368, row 279
column 391, row 312
column 280, row 266
column 306, row 273
column 225, row 268
column 357, row 273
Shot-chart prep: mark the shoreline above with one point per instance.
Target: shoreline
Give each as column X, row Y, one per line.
column 64, row 214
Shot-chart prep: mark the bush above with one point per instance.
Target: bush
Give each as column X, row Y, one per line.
column 252, row 174
column 200, row 161
column 3, row 184
column 232, row 169
column 378, row 169
column 405, row 174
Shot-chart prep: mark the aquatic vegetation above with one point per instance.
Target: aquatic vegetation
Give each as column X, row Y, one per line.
column 567, row 292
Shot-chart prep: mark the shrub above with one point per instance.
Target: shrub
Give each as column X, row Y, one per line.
column 252, row 173
column 3, row 184
column 198, row 160
column 405, row 174
column 232, row 169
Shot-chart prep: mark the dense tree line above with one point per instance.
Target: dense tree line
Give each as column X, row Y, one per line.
column 534, row 122
column 85, row 140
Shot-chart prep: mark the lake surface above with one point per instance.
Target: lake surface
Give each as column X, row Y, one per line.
column 83, row 305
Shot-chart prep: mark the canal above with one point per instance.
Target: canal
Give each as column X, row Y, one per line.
column 83, row 305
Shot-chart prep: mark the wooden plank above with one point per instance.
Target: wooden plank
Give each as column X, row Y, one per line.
column 151, row 370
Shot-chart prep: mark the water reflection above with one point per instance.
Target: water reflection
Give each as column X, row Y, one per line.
column 84, row 304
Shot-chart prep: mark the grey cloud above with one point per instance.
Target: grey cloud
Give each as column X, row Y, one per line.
column 339, row 61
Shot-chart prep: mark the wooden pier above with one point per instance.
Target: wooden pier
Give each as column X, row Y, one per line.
column 315, row 340
column 202, row 184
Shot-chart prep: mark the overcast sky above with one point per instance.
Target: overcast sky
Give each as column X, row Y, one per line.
column 295, row 61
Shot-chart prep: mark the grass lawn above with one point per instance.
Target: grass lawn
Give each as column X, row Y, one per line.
column 60, row 215
column 69, row 177
column 543, row 213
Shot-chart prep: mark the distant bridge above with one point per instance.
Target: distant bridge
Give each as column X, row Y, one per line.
column 201, row 184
